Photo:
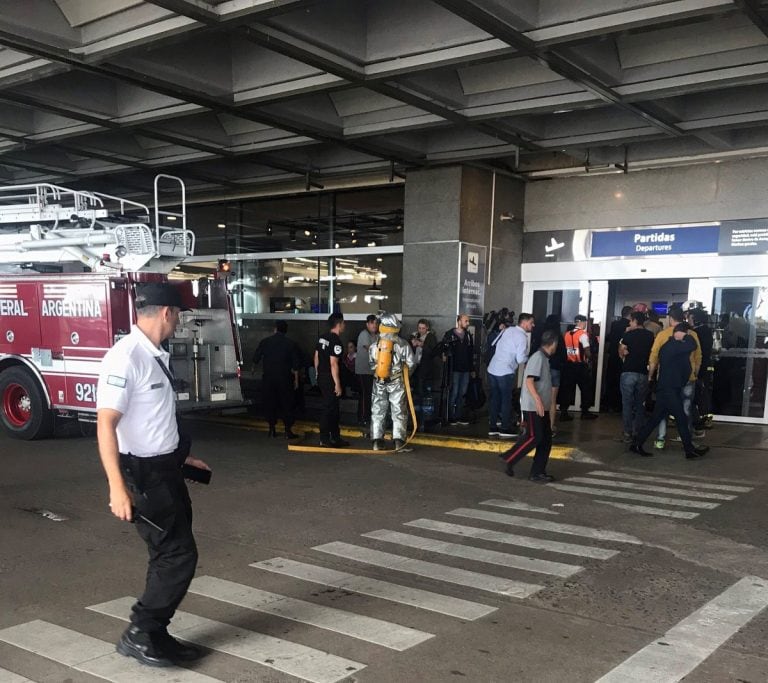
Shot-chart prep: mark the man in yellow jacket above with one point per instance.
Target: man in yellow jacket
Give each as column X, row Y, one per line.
column 676, row 315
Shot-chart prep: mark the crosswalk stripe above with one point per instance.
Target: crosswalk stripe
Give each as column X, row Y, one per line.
column 514, row 505
column 647, row 510
column 439, row 572
column 291, row 658
column 514, row 539
column 376, row 631
column 648, row 487
column 546, row 525
column 692, row 478
column 414, row 597
column 678, row 481
column 10, row 677
column 608, row 493
column 90, row 655
column 686, row 645
column 528, row 564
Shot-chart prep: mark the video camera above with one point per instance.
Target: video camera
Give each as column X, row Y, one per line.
column 493, row 319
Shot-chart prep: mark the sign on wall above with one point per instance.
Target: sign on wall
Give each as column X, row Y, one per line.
column 655, row 241
column 471, row 295
column 744, row 237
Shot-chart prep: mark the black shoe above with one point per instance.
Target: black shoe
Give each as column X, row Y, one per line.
column 566, row 417
column 399, row 443
column 291, row 435
column 338, row 442
column 697, row 452
column 272, row 432
column 510, row 470
column 143, row 648
column 541, row 478
column 589, row 416
column 178, row 652
column 638, row 448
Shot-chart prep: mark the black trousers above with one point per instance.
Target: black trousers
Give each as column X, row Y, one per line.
column 365, row 387
column 160, row 495
column 279, row 399
column 668, row 402
column 703, row 397
column 537, row 433
column 329, row 410
column 575, row 375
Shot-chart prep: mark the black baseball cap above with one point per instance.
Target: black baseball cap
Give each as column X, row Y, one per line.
column 159, row 294
column 580, row 319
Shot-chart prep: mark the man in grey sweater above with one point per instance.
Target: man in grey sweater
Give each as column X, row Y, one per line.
column 363, row 370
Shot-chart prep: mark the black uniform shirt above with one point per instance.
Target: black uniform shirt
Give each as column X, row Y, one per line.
column 328, row 345
column 280, row 355
column 639, row 342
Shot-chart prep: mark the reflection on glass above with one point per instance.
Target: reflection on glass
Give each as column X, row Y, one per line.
column 562, row 302
column 741, row 364
column 354, row 284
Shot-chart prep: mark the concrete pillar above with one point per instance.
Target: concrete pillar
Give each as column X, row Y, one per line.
column 447, row 206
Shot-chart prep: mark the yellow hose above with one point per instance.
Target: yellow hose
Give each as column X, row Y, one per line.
column 368, row 451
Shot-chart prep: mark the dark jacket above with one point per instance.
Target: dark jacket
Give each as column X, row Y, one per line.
column 675, row 363
column 706, row 339
column 280, row 354
column 461, row 350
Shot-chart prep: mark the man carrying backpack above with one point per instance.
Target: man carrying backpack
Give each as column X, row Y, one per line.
column 510, row 350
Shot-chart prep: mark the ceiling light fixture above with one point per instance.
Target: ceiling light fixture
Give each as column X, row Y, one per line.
column 221, row 226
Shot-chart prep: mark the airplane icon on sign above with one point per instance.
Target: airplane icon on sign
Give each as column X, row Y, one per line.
column 554, row 245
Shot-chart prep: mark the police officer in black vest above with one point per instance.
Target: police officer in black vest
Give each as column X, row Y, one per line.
column 328, row 353
column 282, row 360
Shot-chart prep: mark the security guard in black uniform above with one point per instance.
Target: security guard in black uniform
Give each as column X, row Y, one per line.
column 328, row 353
column 142, row 456
column 282, row 359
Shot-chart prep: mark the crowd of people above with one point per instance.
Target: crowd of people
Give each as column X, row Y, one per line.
column 147, row 459
column 668, row 369
column 642, row 375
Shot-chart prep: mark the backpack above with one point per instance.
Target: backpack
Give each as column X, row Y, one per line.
column 489, row 348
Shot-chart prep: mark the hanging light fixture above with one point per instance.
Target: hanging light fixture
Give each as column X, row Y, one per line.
column 374, row 288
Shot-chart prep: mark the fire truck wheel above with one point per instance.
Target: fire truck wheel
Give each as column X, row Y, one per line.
column 23, row 408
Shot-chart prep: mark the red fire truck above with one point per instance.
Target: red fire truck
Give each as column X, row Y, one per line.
column 69, row 263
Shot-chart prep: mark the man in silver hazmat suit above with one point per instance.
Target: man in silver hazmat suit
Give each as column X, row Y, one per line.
column 388, row 355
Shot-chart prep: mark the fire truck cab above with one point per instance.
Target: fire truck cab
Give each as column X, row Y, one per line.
column 69, row 264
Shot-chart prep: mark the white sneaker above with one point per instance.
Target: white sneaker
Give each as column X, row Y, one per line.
column 493, row 433
column 462, row 423
column 507, row 435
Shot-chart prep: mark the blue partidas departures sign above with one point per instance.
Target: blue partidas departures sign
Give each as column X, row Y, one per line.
column 655, row 241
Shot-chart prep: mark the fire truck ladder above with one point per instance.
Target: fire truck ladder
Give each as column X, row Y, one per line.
column 46, row 223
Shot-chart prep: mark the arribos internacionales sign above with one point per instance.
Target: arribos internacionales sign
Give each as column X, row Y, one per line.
column 655, row 241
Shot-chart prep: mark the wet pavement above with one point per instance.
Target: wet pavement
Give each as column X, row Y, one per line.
column 423, row 566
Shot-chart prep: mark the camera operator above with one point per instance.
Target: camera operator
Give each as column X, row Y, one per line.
column 460, row 350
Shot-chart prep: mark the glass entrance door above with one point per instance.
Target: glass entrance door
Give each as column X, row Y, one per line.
column 567, row 299
column 739, row 318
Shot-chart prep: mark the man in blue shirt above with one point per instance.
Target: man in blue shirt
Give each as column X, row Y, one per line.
column 511, row 350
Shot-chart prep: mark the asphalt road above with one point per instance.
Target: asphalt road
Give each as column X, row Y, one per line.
column 588, row 589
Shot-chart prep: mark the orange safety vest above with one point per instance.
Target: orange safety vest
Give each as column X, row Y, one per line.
column 573, row 348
